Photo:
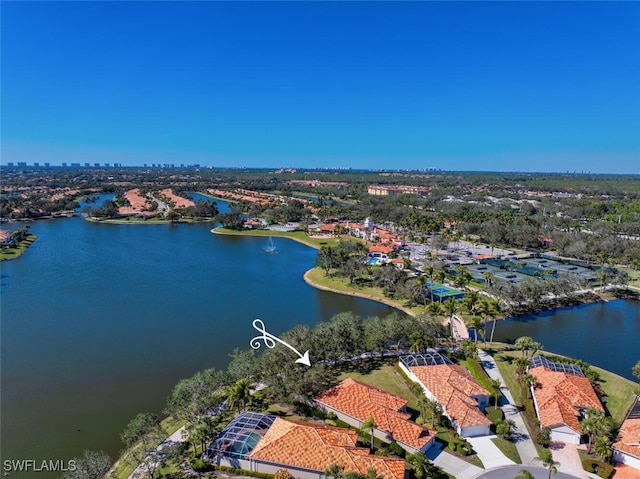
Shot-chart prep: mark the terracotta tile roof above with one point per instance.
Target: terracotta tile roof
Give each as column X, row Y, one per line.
column 328, row 227
column 378, row 248
column 453, row 387
column 559, row 396
column 362, row 402
column 317, row 447
column 629, row 435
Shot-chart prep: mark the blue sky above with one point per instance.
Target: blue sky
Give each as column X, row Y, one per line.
column 525, row 86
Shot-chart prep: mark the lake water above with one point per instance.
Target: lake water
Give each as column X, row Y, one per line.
column 100, row 321
column 606, row 335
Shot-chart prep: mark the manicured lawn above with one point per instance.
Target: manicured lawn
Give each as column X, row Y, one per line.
column 508, row 449
column 387, row 379
column 619, row 391
column 296, row 235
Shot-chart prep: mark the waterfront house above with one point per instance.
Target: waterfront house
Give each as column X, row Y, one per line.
column 561, row 396
column 354, row 403
column 261, row 443
column 462, row 398
column 626, row 449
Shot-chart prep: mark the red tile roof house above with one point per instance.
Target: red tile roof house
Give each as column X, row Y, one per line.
column 561, row 396
column 354, row 403
column 461, row 397
column 627, row 447
column 306, row 450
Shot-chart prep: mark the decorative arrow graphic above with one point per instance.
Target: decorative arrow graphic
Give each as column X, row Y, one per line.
column 270, row 342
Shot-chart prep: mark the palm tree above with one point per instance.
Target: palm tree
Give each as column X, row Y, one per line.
column 418, row 342
column 369, row 425
column 521, row 365
column 240, row 395
column 434, row 408
column 420, row 465
column 451, row 307
column 546, row 458
column 494, row 308
column 435, row 309
column 529, row 381
column 603, row 448
column 506, row 428
column 335, row 471
column 495, row 391
column 428, row 270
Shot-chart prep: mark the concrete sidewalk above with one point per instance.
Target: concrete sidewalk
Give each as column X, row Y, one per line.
column 455, row 466
column 524, row 443
column 488, row 452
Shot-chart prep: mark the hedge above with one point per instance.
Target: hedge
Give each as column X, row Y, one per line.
column 242, row 472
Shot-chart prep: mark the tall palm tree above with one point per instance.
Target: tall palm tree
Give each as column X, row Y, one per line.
column 495, row 391
column 429, row 271
column 528, row 381
column 369, row 426
column 451, row 308
column 546, row 458
column 429, row 405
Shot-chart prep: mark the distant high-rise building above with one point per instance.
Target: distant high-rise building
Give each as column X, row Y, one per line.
column 47, row 165
column 64, row 164
column 87, row 165
column 36, row 164
column 75, row 165
column 10, row 163
column 97, row 165
column 106, row 165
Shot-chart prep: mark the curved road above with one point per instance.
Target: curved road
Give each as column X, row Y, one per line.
column 508, row 472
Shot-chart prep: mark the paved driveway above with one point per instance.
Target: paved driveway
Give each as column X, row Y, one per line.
column 507, row 472
column 488, row 452
column 568, row 457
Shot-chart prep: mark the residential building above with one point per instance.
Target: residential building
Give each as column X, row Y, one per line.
column 261, row 443
column 462, row 398
column 354, row 403
column 561, row 396
column 626, row 449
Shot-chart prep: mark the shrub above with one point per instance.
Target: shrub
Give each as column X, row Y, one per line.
column 396, row 449
column 543, row 436
column 199, row 465
column 600, row 468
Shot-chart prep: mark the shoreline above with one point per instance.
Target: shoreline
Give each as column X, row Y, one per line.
column 267, row 233
column 393, row 305
column 91, row 219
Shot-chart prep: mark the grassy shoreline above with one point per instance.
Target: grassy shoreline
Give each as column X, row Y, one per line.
column 7, row 254
column 315, row 277
column 299, row 236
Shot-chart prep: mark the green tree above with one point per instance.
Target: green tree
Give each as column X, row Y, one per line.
column 451, row 308
column 92, row 465
column 369, row 426
column 546, row 458
column 505, row 428
column 419, row 465
column 141, row 438
column 240, row 395
column 603, row 448
column 527, row 344
column 496, row 393
column 636, row 370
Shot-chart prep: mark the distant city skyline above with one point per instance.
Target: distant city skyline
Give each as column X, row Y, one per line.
column 455, row 86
